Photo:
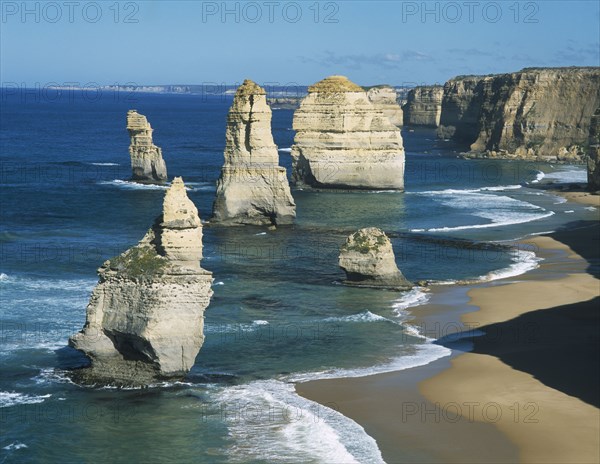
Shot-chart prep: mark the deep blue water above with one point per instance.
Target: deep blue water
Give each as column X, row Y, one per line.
column 278, row 313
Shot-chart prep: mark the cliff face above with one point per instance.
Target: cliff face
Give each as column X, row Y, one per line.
column 385, row 99
column 368, row 260
column 147, row 163
column 145, row 317
column 344, row 141
column 252, row 188
column 541, row 114
column 593, row 161
column 424, row 106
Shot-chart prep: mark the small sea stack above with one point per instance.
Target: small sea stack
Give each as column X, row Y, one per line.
column 253, row 188
column 147, row 164
column 344, row 141
column 145, row 318
column 368, row 260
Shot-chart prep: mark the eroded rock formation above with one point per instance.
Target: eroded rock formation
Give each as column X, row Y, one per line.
column 253, row 188
column 424, row 106
column 537, row 113
column 145, row 317
column 593, row 161
column 368, row 260
column 147, row 163
column 345, row 141
column 384, row 98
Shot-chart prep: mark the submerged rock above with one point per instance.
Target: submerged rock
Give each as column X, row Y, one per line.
column 147, row 163
column 145, row 318
column 345, row 141
column 384, row 97
column 593, row 162
column 252, row 188
column 368, row 259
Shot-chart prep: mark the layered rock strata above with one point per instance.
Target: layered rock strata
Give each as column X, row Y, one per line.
column 424, row 106
column 345, row 141
column 145, row 318
column 147, row 164
column 252, row 188
column 538, row 113
column 368, row 260
column 385, row 98
column 593, row 161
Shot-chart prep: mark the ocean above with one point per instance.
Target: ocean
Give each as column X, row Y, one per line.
column 278, row 315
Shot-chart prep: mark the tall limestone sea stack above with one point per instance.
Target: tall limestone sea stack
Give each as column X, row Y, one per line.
column 145, row 318
column 368, row 259
column 593, row 162
column 147, row 163
column 424, row 106
column 252, row 188
column 345, row 141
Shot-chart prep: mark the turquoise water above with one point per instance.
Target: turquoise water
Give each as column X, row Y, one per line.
column 278, row 313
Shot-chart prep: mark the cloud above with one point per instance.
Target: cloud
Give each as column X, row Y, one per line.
column 574, row 54
column 357, row 61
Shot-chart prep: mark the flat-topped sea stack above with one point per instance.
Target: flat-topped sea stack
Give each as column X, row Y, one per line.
column 385, row 98
column 344, row 141
column 540, row 114
column 423, row 106
column 593, row 162
column 368, row 260
column 145, row 318
column 147, row 163
column 252, row 188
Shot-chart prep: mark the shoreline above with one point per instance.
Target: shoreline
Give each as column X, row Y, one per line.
column 412, row 413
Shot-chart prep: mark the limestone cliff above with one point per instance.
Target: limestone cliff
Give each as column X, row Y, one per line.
column 145, row 317
column 537, row 113
column 368, row 260
column 385, row 98
column 593, row 161
column 423, row 106
column 147, row 163
column 252, row 188
column 345, row 141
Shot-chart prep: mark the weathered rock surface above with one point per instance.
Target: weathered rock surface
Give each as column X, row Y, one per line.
column 368, row 259
column 345, row 141
column 145, row 317
column 284, row 103
column 593, row 161
column 147, row 163
column 385, row 98
column 252, row 188
column 424, row 106
column 537, row 113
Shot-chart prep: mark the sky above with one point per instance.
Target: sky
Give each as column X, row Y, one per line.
column 287, row 42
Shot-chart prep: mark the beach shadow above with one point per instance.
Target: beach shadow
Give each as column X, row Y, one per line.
column 581, row 244
column 559, row 346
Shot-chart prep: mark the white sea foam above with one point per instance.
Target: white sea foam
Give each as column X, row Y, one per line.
column 261, row 233
column 15, row 446
column 130, row 185
column 8, row 399
column 414, row 297
column 105, row 164
column 568, row 175
column 569, row 211
column 235, row 328
column 499, row 209
column 523, row 261
column 365, row 316
column 286, row 150
column 3, row 277
column 283, row 424
column 219, row 283
column 539, row 176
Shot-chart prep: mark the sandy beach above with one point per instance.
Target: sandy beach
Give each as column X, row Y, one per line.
column 525, row 390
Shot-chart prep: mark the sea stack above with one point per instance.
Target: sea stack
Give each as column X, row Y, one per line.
column 385, row 98
column 424, row 106
column 145, row 318
column 345, row 141
column 253, row 188
column 147, row 164
column 368, row 259
column 593, row 161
